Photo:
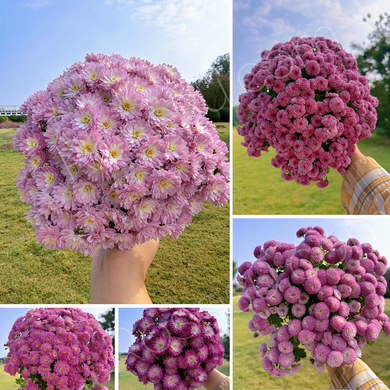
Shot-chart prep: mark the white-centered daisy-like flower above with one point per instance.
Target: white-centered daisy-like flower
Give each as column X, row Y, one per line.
column 106, row 122
column 146, row 207
column 31, row 143
column 35, row 161
column 86, row 147
column 160, row 110
column 83, row 118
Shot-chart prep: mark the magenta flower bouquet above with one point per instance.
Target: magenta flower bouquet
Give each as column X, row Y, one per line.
column 59, row 349
column 306, row 99
column 118, row 152
column 324, row 296
column 175, row 348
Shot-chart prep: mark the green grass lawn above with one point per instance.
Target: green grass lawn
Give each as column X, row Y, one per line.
column 259, row 189
column 7, row 382
column 128, row 381
column 192, row 269
column 249, row 374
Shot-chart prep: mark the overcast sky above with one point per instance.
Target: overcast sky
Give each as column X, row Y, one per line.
column 248, row 233
column 40, row 38
column 260, row 24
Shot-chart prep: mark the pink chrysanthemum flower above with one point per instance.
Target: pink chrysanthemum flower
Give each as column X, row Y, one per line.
column 280, row 93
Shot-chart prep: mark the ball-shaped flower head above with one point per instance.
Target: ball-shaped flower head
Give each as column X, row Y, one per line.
column 128, row 139
column 60, row 347
column 183, row 345
column 310, row 87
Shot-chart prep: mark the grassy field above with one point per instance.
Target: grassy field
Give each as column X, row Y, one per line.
column 128, row 381
column 259, row 189
column 249, row 374
column 180, row 273
column 7, row 382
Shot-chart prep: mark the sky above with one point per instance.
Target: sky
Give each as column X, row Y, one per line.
column 9, row 315
column 260, row 24
column 248, row 233
column 128, row 316
column 41, row 38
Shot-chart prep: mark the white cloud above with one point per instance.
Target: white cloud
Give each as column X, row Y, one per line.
column 37, row 3
column 238, row 5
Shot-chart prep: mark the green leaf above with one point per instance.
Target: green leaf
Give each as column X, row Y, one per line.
column 274, row 319
column 299, row 353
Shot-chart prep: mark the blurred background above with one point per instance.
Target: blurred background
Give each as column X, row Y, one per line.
column 128, row 316
column 363, row 29
column 40, row 38
column 8, row 316
column 247, row 234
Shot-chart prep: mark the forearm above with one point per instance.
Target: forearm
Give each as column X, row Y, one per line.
column 119, row 276
column 214, row 379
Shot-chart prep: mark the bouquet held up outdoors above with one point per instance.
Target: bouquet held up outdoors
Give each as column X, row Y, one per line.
column 118, row 152
column 175, row 348
column 59, row 349
column 306, row 99
column 324, row 296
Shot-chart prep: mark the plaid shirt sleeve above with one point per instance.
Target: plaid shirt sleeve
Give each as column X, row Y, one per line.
column 366, row 188
column 357, row 376
column 224, row 385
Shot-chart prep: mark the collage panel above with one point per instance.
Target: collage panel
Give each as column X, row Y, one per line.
column 310, row 117
column 174, row 348
column 115, row 169
column 310, row 303
column 57, row 348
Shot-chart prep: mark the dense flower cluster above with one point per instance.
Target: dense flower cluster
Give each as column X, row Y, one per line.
column 306, row 99
column 324, row 294
column 118, row 152
column 175, row 348
column 59, row 349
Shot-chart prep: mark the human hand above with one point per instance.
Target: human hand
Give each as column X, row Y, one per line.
column 119, row 276
column 214, row 379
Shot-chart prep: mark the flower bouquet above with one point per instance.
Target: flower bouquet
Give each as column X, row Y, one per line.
column 324, row 296
column 175, row 348
column 118, row 152
column 59, row 349
column 306, row 99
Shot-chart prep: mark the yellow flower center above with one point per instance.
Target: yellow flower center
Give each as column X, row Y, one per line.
column 200, row 146
column 75, row 169
column 106, row 124
column 31, row 143
column 139, row 175
column 86, row 119
column 127, row 106
column 158, row 112
column 149, row 152
column 114, row 153
column 94, row 76
column 172, row 147
column 87, row 189
column 179, row 167
column 56, row 112
column 49, row 179
column 105, row 99
column 76, row 87
column 113, row 195
column 136, row 134
column 87, row 148
column 113, row 78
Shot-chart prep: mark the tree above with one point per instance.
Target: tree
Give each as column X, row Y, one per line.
column 107, row 322
column 374, row 63
column 225, row 339
column 234, row 269
column 214, row 85
column 387, row 277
